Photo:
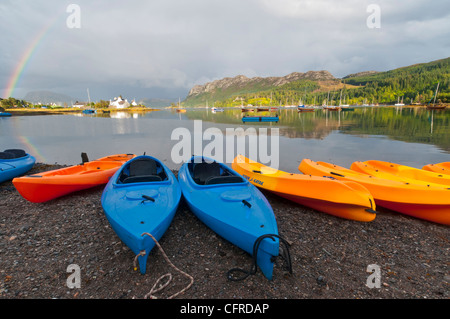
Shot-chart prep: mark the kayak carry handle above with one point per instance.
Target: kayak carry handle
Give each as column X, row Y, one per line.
column 337, row 174
column 255, row 171
column 146, row 197
column 247, row 203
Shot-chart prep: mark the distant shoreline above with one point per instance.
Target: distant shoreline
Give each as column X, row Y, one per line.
column 41, row 111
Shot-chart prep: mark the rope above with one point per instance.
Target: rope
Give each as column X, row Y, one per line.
column 154, row 290
column 254, row 265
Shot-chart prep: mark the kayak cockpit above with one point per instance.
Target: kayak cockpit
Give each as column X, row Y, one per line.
column 142, row 170
column 212, row 173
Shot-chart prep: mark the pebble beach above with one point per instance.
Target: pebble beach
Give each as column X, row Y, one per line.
column 330, row 256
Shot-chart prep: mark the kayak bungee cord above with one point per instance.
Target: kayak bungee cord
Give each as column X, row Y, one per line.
column 153, row 290
column 254, row 266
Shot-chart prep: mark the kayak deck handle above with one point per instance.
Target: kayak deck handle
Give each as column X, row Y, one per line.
column 337, row 174
column 146, row 197
column 247, row 203
column 255, row 171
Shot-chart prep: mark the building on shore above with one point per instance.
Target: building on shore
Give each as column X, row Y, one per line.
column 119, row 103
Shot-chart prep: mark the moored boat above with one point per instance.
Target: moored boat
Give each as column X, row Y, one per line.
column 260, row 119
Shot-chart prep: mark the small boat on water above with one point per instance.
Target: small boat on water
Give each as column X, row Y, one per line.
column 13, row 163
column 347, row 200
column 302, row 108
column 246, row 109
column 89, row 111
column 262, row 109
column 232, row 207
column 217, row 109
column 260, row 119
column 141, row 198
column 436, row 107
column 332, row 108
column 45, row 186
column 5, row 114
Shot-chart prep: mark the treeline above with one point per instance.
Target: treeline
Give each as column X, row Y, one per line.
column 415, row 84
column 291, row 93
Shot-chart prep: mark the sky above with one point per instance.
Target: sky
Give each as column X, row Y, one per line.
column 162, row 48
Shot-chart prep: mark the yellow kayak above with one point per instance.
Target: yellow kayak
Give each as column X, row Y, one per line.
column 400, row 172
column 430, row 203
column 343, row 199
column 442, row 168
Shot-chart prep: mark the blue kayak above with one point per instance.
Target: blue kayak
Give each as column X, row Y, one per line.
column 13, row 163
column 232, row 207
column 5, row 114
column 141, row 197
column 260, row 119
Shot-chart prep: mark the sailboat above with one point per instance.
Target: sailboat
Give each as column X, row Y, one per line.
column 215, row 109
column 435, row 107
column 331, row 107
column 398, row 102
column 179, row 109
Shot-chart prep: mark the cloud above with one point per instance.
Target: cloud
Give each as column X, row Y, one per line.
column 170, row 45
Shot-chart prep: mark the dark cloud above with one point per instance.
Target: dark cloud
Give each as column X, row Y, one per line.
column 162, row 48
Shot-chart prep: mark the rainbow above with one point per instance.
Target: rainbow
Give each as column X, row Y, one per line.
column 26, row 57
column 31, row 149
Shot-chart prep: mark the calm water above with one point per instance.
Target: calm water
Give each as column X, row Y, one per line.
column 410, row 136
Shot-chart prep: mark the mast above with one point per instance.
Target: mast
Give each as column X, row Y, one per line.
column 435, row 95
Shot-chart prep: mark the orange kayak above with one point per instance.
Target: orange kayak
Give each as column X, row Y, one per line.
column 347, row 200
column 430, row 203
column 401, row 173
column 442, row 168
column 49, row 185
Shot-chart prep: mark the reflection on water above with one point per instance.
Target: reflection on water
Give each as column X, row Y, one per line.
column 411, row 136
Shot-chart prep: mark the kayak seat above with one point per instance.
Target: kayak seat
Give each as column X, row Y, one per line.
column 141, row 171
column 203, row 171
column 16, row 152
column 6, row 155
column 213, row 180
column 142, row 179
column 145, row 166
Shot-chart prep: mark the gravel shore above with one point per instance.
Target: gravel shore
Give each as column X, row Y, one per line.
column 330, row 256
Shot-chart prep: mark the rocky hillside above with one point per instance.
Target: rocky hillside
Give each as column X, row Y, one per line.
column 241, row 81
column 228, row 87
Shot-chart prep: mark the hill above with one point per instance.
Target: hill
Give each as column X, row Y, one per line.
column 157, row 103
column 47, row 97
column 415, row 84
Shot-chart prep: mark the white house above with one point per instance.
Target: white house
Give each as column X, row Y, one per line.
column 119, row 103
column 79, row 104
